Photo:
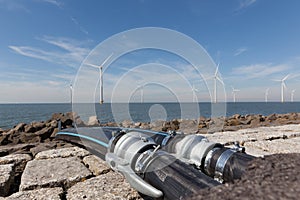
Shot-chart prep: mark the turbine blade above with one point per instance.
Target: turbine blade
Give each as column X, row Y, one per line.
column 92, row 65
column 220, row 80
column 284, row 85
column 106, row 59
column 286, row 77
column 217, row 69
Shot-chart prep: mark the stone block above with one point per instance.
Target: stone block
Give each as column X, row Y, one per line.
column 54, row 172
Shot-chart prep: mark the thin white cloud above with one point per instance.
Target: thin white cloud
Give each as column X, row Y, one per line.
column 54, row 2
column 59, row 4
column 245, row 4
column 71, row 54
column 31, row 52
column 81, row 28
column 240, row 51
column 259, row 70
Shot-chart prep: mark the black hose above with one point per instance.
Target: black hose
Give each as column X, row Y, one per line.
column 226, row 164
column 236, row 166
column 176, row 179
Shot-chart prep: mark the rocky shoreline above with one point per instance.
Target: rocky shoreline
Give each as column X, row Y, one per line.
column 33, row 165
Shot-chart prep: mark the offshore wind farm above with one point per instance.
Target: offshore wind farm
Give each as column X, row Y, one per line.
column 169, row 93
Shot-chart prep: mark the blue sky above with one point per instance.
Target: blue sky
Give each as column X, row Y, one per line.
column 43, row 42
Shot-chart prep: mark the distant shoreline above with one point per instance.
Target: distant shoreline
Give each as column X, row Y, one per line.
column 12, row 114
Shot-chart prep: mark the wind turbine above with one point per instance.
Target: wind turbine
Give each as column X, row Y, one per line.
column 234, row 91
column 194, row 90
column 100, row 67
column 267, row 94
column 292, row 95
column 283, row 86
column 71, row 93
column 142, row 93
column 216, row 78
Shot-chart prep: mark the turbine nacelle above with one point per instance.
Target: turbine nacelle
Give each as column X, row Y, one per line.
column 100, row 67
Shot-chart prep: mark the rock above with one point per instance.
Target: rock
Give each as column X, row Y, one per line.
column 20, row 148
column 233, row 122
column 157, row 125
column 137, row 124
column 45, row 133
column 126, row 124
column 56, row 116
column 112, row 124
column 4, row 139
column 145, row 126
column 293, row 116
column 71, row 115
column 42, row 147
column 271, row 117
column 53, row 172
column 93, row 121
column 188, row 126
column 236, row 116
column 55, row 130
column 52, row 124
column 62, row 153
column 1, row 130
column 174, row 125
column 256, row 120
column 96, row 165
column 79, row 122
column 66, row 119
column 19, row 161
column 200, row 126
column 216, row 124
column 166, row 126
column 6, row 178
column 55, row 193
column 38, row 125
column 27, row 138
column 202, row 119
column 20, row 127
column 29, row 129
column 105, row 187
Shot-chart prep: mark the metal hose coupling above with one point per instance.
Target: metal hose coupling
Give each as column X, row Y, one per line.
column 215, row 160
column 191, row 149
column 124, row 149
column 152, row 171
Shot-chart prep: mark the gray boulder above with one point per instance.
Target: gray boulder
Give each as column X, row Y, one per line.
column 6, row 178
column 62, row 153
column 105, row 187
column 96, row 165
column 19, row 161
column 53, row 173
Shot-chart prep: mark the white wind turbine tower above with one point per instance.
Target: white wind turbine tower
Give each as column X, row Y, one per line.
column 234, row 91
column 292, row 95
column 194, row 90
column 267, row 94
column 142, row 93
column 283, row 86
column 101, row 76
column 71, row 93
column 216, row 78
